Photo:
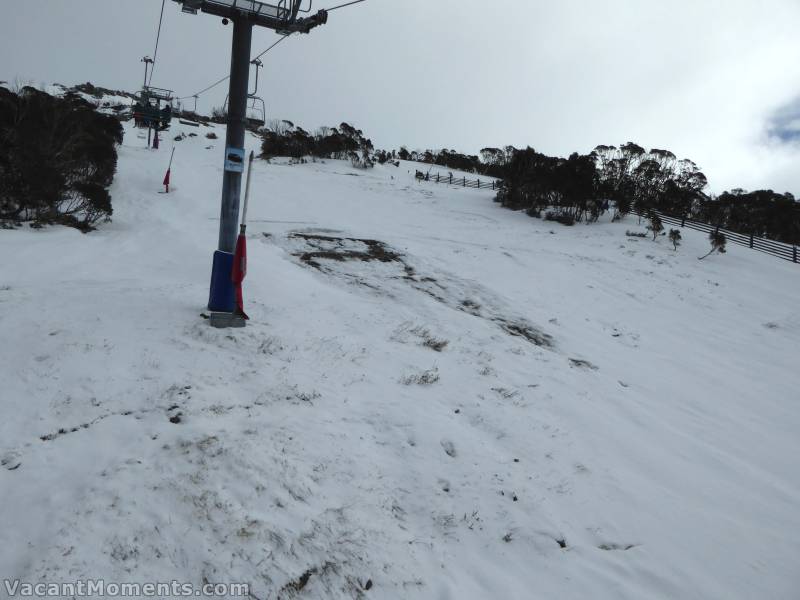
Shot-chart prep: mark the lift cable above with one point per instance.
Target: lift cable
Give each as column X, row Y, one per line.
column 272, row 46
column 343, row 5
column 203, row 91
column 213, row 85
column 158, row 37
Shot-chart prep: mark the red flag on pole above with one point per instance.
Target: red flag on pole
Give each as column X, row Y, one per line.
column 169, row 171
column 239, row 270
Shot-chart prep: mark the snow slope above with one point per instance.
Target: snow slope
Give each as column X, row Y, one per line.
column 471, row 404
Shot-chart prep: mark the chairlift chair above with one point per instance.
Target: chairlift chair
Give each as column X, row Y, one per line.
column 256, row 98
column 256, row 110
column 253, row 107
column 258, row 107
column 147, row 110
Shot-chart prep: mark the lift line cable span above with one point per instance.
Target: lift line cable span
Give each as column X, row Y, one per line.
column 343, row 5
column 272, row 46
column 203, row 91
column 213, row 85
column 224, row 79
column 158, row 38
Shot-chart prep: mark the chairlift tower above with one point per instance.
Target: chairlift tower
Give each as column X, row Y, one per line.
column 282, row 17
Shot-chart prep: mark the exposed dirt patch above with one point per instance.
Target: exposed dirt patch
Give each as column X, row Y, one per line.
column 613, row 547
column 428, row 377
column 331, row 254
column 295, row 586
column 525, row 330
column 11, row 461
column 341, row 249
column 421, row 333
column 582, row 364
column 65, row 431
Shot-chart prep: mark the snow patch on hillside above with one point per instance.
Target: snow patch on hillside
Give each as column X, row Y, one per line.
column 435, row 397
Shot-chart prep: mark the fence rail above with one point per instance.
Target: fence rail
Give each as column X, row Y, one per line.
column 476, row 183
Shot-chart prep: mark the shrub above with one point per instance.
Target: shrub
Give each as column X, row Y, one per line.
column 718, row 241
column 58, row 158
column 656, row 226
column 675, row 238
column 559, row 217
column 219, row 114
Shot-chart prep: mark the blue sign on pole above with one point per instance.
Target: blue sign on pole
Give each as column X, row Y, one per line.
column 234, row 160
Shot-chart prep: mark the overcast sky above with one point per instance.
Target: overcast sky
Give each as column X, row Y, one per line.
column 717, row 81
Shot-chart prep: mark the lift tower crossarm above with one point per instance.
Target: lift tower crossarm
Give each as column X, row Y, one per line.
column 281, row 19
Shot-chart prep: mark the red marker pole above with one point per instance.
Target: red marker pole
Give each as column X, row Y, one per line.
column 239, row 270
column 169, row 170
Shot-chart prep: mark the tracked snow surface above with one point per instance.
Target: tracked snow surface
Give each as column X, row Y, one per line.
column 435, row 397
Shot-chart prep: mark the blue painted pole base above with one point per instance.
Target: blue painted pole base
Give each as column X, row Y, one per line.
column 222, row 297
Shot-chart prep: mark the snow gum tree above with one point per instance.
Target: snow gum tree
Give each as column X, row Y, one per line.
column 656, row 226
column 58, row 158
column 718, row 241
column 675, row 238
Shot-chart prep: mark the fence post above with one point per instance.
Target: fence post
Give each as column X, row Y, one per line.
column 492, row 185
column 751, row 240
column 451, row 179
column 479, row 183
column 683, row 221
column 794, row 254
column 437, row 178
column 465, row 182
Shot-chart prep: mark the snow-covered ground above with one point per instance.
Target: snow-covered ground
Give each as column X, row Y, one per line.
column 469, row 404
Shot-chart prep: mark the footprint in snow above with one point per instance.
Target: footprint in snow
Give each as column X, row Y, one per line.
column 11, row 460
column 449, row 448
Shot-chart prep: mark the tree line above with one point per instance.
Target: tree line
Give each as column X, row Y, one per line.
column 58, row 158
column 625, row 179
column 284, row 138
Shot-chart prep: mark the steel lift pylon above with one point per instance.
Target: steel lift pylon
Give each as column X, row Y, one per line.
column 283, row 17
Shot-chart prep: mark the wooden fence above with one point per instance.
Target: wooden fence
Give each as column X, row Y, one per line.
column 460, row 181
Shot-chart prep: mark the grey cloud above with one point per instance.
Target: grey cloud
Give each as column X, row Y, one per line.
column 702, row 78
column 785, row 123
